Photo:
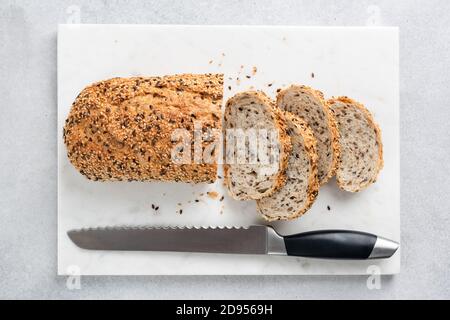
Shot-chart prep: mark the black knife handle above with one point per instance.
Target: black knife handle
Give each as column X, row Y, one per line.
column 332, row 244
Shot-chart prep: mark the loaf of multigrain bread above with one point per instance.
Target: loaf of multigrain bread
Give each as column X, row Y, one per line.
column 360, row 140
column 260, row 172
column 123, row 128
column 309, row 104
column 302, row 183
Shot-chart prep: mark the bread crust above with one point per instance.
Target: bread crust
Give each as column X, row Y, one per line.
column 121, row 128
column 284, row 139
column 370, row 120
column 310, row 144
column 331, row 123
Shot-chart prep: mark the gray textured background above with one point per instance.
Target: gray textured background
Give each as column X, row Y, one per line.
column 28, row 146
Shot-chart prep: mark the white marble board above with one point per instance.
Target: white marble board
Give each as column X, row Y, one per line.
column 358, row 62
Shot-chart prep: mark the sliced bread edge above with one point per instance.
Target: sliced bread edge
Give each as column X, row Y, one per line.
column 370, row 120
column 284, row 140
column 331, row 124
column 309, row 144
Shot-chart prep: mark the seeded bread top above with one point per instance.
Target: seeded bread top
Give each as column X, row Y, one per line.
column 121, row 129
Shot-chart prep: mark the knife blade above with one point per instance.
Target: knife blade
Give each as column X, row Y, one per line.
column 258, row 239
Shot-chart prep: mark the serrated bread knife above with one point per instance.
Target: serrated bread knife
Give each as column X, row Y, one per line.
column 330, row 244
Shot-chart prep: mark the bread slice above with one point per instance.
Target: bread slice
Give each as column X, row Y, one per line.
column 252, row 176
column 126, row 129
column 310, row 105
column 302, row 183
column 361, row 147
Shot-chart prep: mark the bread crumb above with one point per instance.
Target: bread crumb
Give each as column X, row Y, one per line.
column 212, row 194
column 210, row 61
column 155, row 208
column 254, row 70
